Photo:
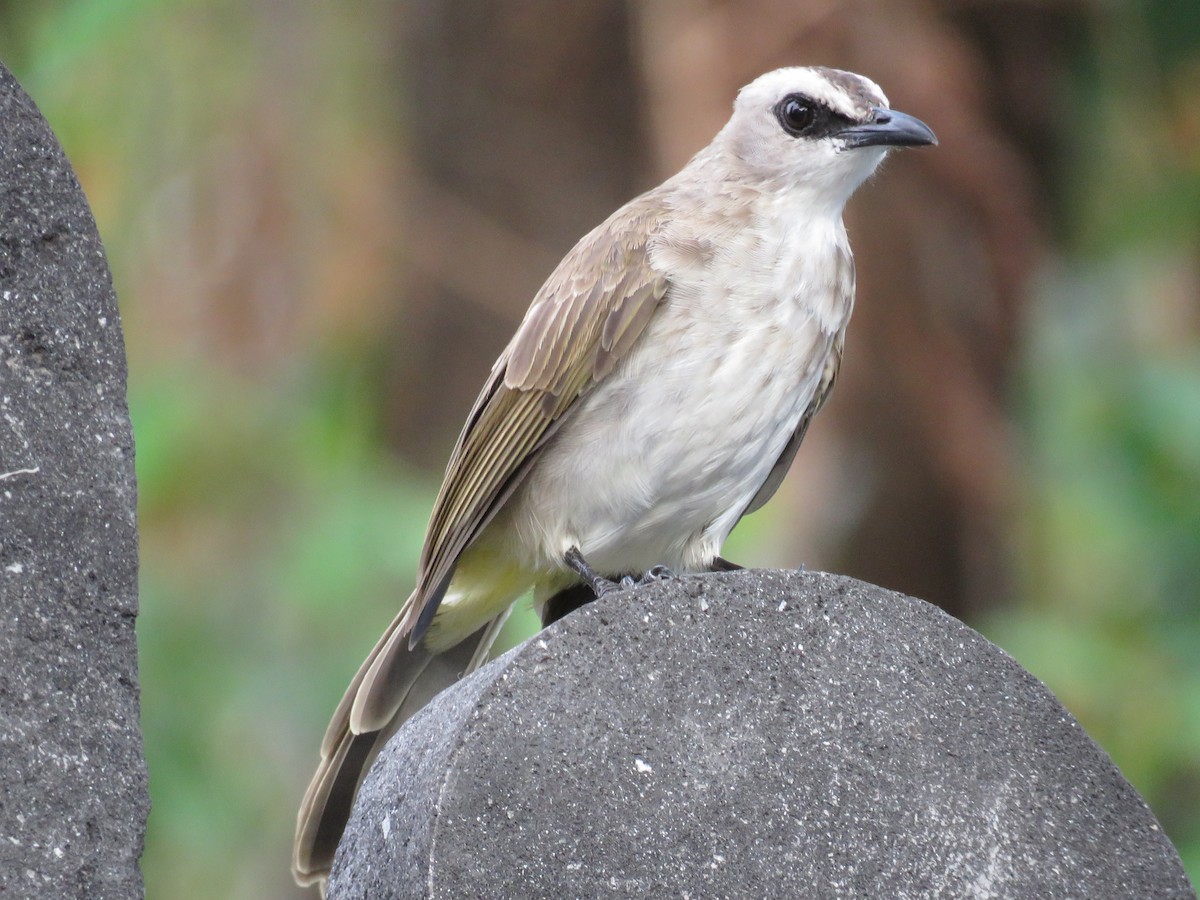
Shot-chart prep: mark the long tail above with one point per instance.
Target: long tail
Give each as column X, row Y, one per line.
column 412, row 679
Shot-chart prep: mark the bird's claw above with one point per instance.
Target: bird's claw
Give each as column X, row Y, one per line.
column 601, row 585
column 628, row 582
column 657, row 573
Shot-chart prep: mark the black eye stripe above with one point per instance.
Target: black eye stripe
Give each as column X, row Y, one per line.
column 801, row 116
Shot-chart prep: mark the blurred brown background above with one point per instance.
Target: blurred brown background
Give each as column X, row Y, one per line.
column 325, row 221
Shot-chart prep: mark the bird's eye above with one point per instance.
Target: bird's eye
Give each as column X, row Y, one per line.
column 796, row 114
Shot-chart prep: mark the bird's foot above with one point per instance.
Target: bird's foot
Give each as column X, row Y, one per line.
column 597, row 582
column 652, row 576
column 655, row 574
column 601, row 585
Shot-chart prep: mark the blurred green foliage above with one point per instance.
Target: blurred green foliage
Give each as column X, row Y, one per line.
column 286, row 533
column 279, row 534
column 1111, row 537
column 1109, row 611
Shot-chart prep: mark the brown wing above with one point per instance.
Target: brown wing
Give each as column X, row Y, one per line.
column 584, row 319
column 832, row 363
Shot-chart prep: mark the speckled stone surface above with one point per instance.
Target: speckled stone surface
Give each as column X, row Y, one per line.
column 73, row 798
column 751, row 734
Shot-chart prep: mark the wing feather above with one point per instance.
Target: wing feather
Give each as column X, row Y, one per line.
column 833, row 363
column 587, row 317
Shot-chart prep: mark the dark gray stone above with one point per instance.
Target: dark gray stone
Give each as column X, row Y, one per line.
column 73, row 798
column 752, row 734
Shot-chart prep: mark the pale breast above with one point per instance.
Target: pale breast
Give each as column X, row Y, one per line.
column 659, row 460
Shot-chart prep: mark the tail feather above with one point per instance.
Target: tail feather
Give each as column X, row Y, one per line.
column 389, row 681
column 403, row 683
column 384, row 681
column 326, row 806
column 340, row 723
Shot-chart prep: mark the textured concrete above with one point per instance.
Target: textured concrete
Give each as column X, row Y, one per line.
column 753, row 734
column 73, row 798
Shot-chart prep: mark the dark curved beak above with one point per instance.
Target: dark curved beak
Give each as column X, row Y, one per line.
column 888, row 128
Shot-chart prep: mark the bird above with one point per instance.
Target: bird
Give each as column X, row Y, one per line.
column 655, row 392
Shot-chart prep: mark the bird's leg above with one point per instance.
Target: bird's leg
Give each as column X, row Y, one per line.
column 724, row 565
column 598, row 583
column 601, row 585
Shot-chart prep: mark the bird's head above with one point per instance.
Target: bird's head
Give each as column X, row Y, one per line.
column 820, row 130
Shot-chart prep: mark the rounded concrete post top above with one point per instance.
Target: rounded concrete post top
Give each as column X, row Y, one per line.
column 755, row 733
